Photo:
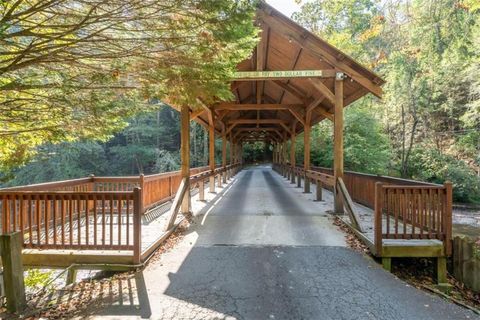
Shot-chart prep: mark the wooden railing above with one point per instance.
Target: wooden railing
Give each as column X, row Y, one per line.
column 361, row 186
column 157, row 188
column 413, row 212
column 404, row 209
column 91, row 220
column 94, row 213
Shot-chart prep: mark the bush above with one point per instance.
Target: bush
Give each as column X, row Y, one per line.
column 431, row 165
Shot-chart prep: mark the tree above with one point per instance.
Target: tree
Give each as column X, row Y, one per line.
column 60, row 162
column 72, row 69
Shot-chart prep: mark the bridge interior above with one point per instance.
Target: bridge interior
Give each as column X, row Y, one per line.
column 260, row 248
column 294, row 262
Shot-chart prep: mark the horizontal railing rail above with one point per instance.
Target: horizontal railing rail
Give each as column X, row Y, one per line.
column 361, row 186
column 94, row 213
column 413, row 212
column 404, row 209
column 156, row 188
column 90, row 220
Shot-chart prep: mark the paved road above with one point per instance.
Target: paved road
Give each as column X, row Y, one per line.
column 262, row 251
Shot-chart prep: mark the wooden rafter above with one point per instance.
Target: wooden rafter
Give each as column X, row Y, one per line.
column 251, row 106
column 317, row 47
column 293, row 66
column 323, row 89
column 257, row 121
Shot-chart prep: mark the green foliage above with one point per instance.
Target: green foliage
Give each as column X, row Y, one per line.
column 36, row 279
column 256, row 152
column 61, row 161
column 366, row 146
column 149, row 144
column 432, row 166
column 428, row 51
column 70, row 74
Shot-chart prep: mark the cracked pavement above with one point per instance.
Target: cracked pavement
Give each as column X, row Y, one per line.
column 261, row 250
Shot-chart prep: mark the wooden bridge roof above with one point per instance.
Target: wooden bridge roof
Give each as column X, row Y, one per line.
column 271, row 108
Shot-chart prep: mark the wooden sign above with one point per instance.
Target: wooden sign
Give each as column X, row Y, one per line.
column 282, row 74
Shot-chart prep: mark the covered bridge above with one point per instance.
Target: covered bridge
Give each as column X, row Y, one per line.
column 292, row 81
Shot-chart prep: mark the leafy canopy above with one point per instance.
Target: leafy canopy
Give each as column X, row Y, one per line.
column 72, row 69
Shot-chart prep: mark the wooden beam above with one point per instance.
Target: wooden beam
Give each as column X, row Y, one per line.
column 230, row 128
column 287, row 129
column 211, row 148
column 306, row 140
column 252, row 106
column 317, row 47
column 222, row 114
column 324, row 90
column 293, row 66
column 262, row 51
column 257, row 121
column 316, row 106
column 195, row 113
column 297, row 115
column 297, row 93
column 231, row 149
column 224, row 157
column 293, row 139
column 266, row 129
column 185, row 156
column 306, row 149
column 338, row 142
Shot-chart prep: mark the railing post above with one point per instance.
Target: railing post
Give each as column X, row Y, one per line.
column 137, row 225
column 212, row 182
column 448, row 217
column 299, row 179
column 319, row 190
column 201, row 189
column 219, row 181
column 11, row 250
column 378, row 218
column 91, row 185
column 142, row 187
column 306, row 184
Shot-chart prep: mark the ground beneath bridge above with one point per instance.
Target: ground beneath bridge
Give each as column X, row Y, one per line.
column 261, row 249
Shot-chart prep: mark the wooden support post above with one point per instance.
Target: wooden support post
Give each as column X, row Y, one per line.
column 319, row 190
column 441, row 270
column 219, row 181
column 240, row 153
column 137, row 224
column 71, row 276
column 224, row 158
column 306, row 155
column 275, row 153
column 211, row 154
column 387, row 264
column 377, row 220
column 299, row 180
column 185, row 155
column 230, row 171
column 338, row 141
column 142, row 186
column 201, row 190
column 292, row 154
column 448, row 218
column 11, row 250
